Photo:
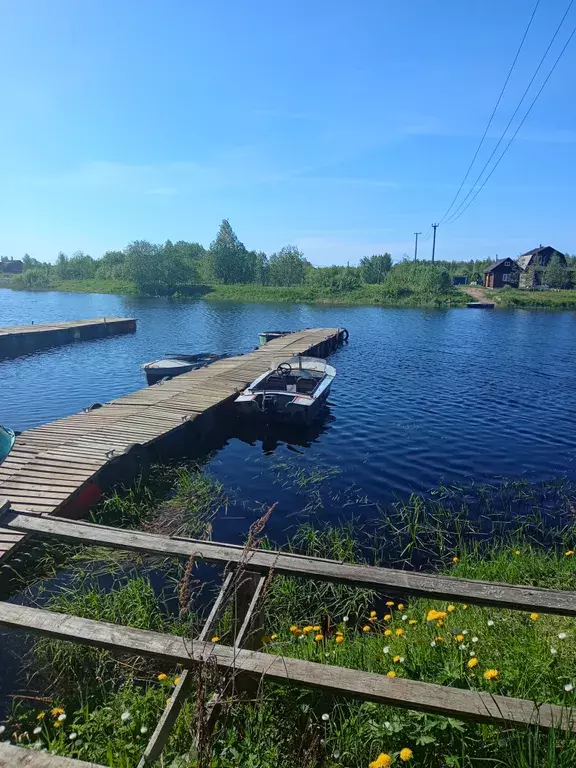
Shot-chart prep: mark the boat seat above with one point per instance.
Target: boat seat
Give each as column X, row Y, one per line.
column 306, row 384
column 276, row 382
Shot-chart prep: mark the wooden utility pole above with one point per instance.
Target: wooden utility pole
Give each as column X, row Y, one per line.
column 434, row 226
column 416, row 246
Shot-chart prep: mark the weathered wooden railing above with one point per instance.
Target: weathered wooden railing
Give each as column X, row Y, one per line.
column 246, row 575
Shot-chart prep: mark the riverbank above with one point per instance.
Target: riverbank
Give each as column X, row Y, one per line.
column 102, row 708
column 365, row 295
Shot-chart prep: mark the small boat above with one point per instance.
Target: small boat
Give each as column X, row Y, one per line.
column 265, row 336
column 295, row 389
column 7, row 438
column 176, row 365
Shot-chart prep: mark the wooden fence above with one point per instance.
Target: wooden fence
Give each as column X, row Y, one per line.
column 242, row 664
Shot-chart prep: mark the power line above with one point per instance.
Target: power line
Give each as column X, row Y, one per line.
column 479, row 147
column 518, row 128
column 455, row 214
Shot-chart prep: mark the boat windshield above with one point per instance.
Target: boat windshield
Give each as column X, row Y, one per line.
column 302, row 363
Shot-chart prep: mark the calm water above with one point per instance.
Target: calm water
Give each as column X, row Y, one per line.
column 421, row 397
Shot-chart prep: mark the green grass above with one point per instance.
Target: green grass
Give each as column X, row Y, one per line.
column 565, row 299
column 514, row 532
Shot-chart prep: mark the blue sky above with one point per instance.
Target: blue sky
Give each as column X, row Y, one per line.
column 339, row 127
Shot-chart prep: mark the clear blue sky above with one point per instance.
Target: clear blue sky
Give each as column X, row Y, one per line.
column 340, row 127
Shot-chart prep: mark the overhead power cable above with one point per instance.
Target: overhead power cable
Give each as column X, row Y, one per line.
column 489, row 123
column 534, row 100
column 461, row 208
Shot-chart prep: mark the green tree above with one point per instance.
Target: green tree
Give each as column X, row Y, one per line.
column 62, row 266
column 555, row 273
column 375, row 268
column 112, row 266
column 228, row 260
column 81, row 266
column 144, row 264
column 287, row 267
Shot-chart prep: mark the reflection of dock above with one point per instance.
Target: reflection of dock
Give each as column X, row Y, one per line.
column 65, row 466
column 22, row 339
column 480, row 305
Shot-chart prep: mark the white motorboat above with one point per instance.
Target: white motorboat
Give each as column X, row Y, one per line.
column 295, row 390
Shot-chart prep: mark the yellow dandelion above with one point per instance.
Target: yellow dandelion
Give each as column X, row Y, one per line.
column 464, row 607
column 433, row 615
column 366, row 628
column 451, row 609
column 405, row 754
column 163, row 676
column 491, row 674
column 439, row 639
column 57, row 724
column 472, row 662
column 297, row 633
column 440, row 623
column 266, row 640
column 534, row 616
column 372, row 619
column 390, row 604
column 460, row 638
column 396, row 659
column 168, row 700
column 570, row 553
column 516, row 551
column 294, row 628
column 412, row 622
column 455, row 560
column 401, row 606
column 307, row 630
column 391, row 673
column 373, row 614
column 339, row 632
column 217, row 637
column 319, row 637
column 339, row 639
column 317, row 628
column 387, row 632
column 382, row 761
column 56, row 711
column 176, row 681
column 40, row 715
column 273, row 637
column 387, row 617
column 399, row 632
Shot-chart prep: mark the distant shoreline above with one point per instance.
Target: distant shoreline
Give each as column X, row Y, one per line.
column 366, row 295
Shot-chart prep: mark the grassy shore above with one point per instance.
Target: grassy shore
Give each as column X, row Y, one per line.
column 103, row 708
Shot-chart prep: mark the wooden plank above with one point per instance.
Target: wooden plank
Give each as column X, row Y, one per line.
column 339, row 681
column 18, row 757
column 387, row 580
column 172, row 710
column 36, row 485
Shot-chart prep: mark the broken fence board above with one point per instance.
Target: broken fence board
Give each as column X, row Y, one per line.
column 387, row 580
column 18, row 757
column 340, row 681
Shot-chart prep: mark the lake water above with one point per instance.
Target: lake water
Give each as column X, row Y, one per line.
column 421, row 397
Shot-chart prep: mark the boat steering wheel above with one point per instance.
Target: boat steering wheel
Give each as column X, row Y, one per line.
column 284, row 369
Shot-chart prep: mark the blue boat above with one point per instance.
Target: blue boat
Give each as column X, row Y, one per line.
column 7, row 438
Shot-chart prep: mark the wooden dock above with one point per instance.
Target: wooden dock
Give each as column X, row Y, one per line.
column 64, row 467
column 22, row 339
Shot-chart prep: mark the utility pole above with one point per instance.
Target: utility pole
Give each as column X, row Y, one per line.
column 416, row 246
column 434, row 242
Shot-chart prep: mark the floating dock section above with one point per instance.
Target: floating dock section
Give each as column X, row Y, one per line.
column 20, row 340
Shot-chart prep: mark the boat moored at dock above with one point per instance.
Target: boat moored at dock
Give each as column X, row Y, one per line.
column 294, row 389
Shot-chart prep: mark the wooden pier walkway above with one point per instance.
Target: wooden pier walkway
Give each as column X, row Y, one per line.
column 63, row 467
column 22, row 339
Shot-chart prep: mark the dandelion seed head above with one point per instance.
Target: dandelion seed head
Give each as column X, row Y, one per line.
column 553, row 651
column 568, row 687
column 125, row 716
column 561, row 636
column 490, row 623
column 37, row 730
column 325, row 716
column 73, row 736
column 474, row 639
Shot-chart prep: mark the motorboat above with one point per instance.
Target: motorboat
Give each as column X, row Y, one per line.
column 294, row 389
column 176, row 365
column 7, row 438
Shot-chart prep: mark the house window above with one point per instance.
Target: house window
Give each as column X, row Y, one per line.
column 506, row 277
column 507, row 263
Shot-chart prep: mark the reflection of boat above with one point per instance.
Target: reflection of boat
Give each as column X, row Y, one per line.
column 294, row 390
column 272, row 435
column 175, row 365
column 7, row 438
